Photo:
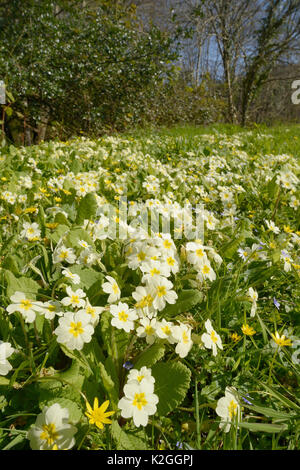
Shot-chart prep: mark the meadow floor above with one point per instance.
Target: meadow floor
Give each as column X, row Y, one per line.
column 150, row 289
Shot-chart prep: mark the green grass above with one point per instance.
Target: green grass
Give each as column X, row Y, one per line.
column 283, row 138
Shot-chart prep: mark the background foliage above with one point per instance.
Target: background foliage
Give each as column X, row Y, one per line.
column 91, row 67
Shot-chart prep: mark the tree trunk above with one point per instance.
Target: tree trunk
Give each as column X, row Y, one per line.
column 42, row 125
column 231, row 107
column 27, row 130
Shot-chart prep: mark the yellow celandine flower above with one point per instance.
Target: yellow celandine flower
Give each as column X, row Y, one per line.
column 287, row 229
column 235, row 337
column 30, row 210
column 98, row 415
column 281, row 340
column 52, row 225
column 248, row 330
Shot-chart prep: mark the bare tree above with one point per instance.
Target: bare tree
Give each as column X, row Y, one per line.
column 229, row 23
column 276, row 37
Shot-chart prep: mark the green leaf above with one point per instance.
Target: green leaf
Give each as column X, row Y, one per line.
column 72, row 375
column 115, row 340
column 10, row 263
column 150, row 356
column 9, row 111
column 4, row 381
column 263, row 427
column 22, row 284
column 172, row 381
column 229, row 249
column 127, row 440
column 112, row 371
column 93, row 352
column 41, row 218
column 87, row 208
column 75, row 167
column 75, row 413
column 271, row 413
column 19, row 438
column 271, row 188
column 39, row 323
column 63, row 388
column 57, row 234
column 187, row 299
column 10, row 96
column 105, row 325
column 109, row 385
column 61, row 219
column 88, row 277
column 77, row 234
column 120, row 341
column 286, row 401
column 74, row 354
column 211, row 391
column 263, row 329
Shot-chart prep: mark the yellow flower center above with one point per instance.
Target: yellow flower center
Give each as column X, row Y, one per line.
column 123, row 316
column 232, row 409
column 185, row 337
column 141, row 256
column 90, row 311
column 213, row 337
column 167, row 244
column 26, row 304
column 49, row 433
column 51, row 308
column 145, row 302
column 166, row 330
column 76, row 329
column 170, row 261
column 205, row 269
column 199, row 253
column 161, row 291
column 75, row 299
column 154, row 271
column 149, row 330
column 139, row 400
column 115, row 288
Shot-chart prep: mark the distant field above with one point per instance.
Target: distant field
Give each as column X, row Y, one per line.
column 150, row 289
column 282, row 138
